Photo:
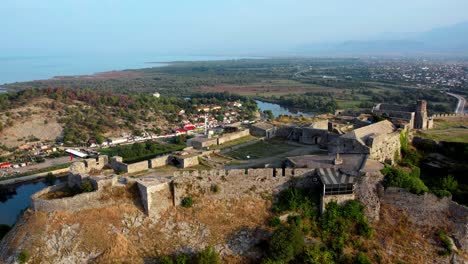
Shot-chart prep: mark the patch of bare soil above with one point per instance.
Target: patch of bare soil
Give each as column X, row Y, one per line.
column 31, row 122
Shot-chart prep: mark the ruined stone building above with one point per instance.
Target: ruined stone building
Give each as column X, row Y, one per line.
column 380, row 141
column 415, row 118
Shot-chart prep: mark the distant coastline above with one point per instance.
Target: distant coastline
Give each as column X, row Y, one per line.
column 43, row 68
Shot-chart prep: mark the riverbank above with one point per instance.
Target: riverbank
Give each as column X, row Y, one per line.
column 26, row 178
column 277, row 110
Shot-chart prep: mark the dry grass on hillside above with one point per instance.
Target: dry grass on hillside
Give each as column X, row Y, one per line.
column 401, row 240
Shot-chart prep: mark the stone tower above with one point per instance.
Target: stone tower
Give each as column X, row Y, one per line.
column 420, row 121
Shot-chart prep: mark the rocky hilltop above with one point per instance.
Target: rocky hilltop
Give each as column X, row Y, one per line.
column 231, row 211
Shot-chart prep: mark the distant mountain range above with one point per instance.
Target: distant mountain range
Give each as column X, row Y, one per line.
column 452, row 40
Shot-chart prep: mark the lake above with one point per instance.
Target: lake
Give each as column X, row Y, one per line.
column 29, row 68
column 12, row 204
column 279, row 110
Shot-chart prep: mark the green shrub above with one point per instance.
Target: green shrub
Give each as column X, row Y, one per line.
column 361, row 258
column 214, row 188
column 441, row 193
column 294, row 199
column 208, row 256
column 446, row 243
column 285, row 243
column 86, row 186
column 166, row 260
column 275, row 222
column 187, row 202
column 50, row 178
column 181, row 259
column 449, row 183
column 295, row 220
column 317, row 254
column 339, row 222
column 399, row 178
column 23, row 256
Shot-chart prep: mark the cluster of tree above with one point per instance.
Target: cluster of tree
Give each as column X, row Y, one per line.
column 309, row 103
column 340, row 227
column 88, row 114
column 142, row 151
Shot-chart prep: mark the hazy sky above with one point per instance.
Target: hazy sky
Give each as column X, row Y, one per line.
column 209, row 26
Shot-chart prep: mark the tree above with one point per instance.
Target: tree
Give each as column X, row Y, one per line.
column 286, row 243
column 50, row 178
column 449, row 183
column 269, row 114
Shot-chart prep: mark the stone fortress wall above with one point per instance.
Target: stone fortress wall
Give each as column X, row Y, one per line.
column 385, row 147
column 450, row 116
column 159, row 194
column 233, row 136
column 78, row 202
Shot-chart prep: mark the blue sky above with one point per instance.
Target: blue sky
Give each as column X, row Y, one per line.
column 209, row 26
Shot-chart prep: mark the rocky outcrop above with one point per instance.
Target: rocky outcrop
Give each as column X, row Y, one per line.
column 367, row 192
column 429, row 211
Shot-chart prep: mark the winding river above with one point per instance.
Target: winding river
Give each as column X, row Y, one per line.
column 17, row 199
column 279, row 110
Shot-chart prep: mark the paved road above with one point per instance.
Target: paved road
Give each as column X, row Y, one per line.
column 461, row 103
column 32, row 177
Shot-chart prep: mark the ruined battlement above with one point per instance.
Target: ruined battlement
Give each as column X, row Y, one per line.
column 267, row 172
column 450, row 116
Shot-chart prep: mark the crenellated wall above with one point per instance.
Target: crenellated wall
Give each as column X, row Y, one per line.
column 159, row 194
column 450, row 116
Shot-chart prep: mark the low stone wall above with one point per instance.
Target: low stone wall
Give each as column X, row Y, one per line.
column 75, row 203
column 340, row 199
column 186, row 162
column 119, row 166
column 138, row 166
column 70, row 204
column 158, row 162
column 233, row 136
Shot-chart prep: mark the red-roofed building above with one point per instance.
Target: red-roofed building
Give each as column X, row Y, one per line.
column 5, row 165
column 189, row 127
column 181, row 131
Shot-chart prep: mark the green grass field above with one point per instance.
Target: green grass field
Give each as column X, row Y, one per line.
column 261, row 149
column 450, row 131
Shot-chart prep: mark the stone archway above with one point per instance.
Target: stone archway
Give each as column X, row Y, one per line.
column 174, row 161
